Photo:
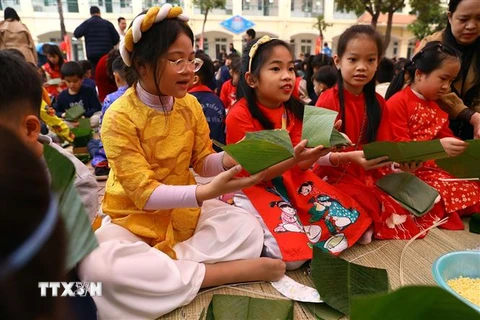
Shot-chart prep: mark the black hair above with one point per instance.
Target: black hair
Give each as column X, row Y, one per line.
column 233, row 56
column 94, row 10
column 112, row 55
column 236, row 66
column 252, row 34
column 86, row 65
column 154, row 45
column 373, row 110
column 53, row 50
column 430, row 58
column 315, row 61
column 10, row 14
column 119, row 67
column 326, row 75
column 72, row 68
column 24, row 203
column 453, row 4
column 385, row 70
column 20, row 88
column 293, row 105
column 207, row 72
column 120, row 19
column 399, row 65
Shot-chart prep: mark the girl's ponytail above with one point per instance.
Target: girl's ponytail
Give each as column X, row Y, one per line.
column 399, row 81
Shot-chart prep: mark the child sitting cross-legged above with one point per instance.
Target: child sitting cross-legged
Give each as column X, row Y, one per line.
column 77, row 94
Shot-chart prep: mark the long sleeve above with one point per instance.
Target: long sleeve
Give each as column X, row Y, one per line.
column 62, row 104
column 396, row 117
column 127, row 158
column 93, row 103
column 54, row 123
column 115, row 38
column 237, row 124
column 81, row 30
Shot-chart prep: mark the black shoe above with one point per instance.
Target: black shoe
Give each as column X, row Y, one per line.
column 101, row 173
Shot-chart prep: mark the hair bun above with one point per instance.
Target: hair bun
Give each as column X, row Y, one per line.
column 143, row 23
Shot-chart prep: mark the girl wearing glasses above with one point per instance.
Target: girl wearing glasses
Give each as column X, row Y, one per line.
column 163, row 238
column 413, row 115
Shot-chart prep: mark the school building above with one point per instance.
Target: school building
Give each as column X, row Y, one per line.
column 290, row 20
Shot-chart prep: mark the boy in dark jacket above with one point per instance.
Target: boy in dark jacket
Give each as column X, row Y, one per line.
column 77, row 94
column 212, row 106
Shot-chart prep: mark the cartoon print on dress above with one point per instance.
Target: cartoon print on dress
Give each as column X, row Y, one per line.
column 289, row 218
column 336, row 216
column 335, row 244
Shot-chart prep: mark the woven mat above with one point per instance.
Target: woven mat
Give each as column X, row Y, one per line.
column 418, row 261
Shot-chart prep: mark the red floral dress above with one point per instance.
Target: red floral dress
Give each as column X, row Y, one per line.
column 412, row 118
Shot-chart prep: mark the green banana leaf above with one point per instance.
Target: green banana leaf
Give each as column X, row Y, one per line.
column 229, row 307
column 474, row 223
column 466, row 165
column 338, row 140
column 318, row 125
column 260, row 150
column 338, row 281
column 81, row 240
column 322, row 311
column 75, row 112
column 413, row 151
column 412, row 303
column 412, row 193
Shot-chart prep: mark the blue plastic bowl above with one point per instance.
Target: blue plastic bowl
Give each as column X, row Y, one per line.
column 455, row 264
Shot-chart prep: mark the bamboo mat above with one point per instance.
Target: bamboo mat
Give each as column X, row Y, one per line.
column 418, row 261
column 385, row 254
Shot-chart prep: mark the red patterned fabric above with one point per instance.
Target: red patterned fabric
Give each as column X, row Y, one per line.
column 300, row 209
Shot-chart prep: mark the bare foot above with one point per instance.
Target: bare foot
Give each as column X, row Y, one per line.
column 366, row 238
column 258, row 269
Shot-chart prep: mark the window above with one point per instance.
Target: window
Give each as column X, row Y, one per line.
column 306, row 45
column 307, row 8
column 51, row 5
column 395, row 48
column 113, row 6
column 220, row 45
column 260, row 7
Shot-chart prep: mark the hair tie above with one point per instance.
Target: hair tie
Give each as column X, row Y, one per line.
column 143, row 23
column 254, row 48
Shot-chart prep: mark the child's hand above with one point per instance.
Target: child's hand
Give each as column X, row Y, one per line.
column 359, row 158
column 63, row 114
column 228, row 161
column 226, row 182
column 302, row 153
column 408, row 167
column 453, row 146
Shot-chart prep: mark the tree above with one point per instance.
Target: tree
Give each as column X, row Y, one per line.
column 321, row 25
column 374, row 8
column 431, row 17
column 205, row 7
column 390, row 7
column 63, row 31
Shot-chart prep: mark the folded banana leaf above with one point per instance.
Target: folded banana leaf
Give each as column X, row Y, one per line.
column 260, row 150
column 412, row 303
column 81, row 240
column 339, row 281
column 74, row 113
column 229, row 307
column 412, row 193
column 318, row 128
column 466, row 165
column 412, row 151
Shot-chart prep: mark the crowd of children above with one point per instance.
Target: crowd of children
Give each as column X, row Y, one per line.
column 157, row 105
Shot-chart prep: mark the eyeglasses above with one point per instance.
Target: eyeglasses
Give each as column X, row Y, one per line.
column 181, row 64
